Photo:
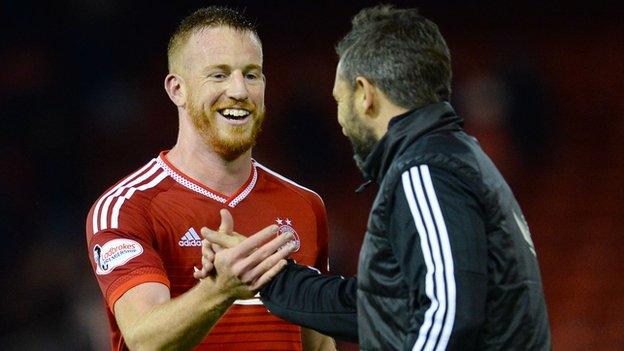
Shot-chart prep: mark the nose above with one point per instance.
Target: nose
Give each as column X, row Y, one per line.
column 237, row 88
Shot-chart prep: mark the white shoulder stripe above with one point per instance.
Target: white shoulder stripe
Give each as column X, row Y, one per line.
column 106, row 205
column 440, row 286
column 128, row 195
column 96, row 209
column 288, row 181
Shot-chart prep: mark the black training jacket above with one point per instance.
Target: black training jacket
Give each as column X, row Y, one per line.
column 447, row 262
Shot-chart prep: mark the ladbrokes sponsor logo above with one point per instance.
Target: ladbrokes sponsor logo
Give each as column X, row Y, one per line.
column 115, row 253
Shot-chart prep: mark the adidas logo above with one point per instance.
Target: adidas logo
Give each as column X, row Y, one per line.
column 190, row 238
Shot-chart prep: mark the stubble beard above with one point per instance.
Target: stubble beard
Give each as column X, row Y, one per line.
column 236, row 142
column 361, row 136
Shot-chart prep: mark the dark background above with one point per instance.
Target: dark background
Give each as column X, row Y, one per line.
column 82, row 105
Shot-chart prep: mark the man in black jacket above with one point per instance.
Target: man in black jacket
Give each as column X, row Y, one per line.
column 447, row 262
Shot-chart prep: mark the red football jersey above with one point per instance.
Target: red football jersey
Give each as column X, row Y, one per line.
column 146, row 229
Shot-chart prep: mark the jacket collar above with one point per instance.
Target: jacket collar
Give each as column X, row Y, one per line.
column 405, row 129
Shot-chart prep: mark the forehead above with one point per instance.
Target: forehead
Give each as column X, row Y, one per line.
column 340, row 82
column 223, row 45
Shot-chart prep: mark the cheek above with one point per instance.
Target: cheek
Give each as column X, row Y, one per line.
column 256, row 93
column 343, row 115
column 206, row 97
column 340, row 113
column 342, row 122
column 211, row 100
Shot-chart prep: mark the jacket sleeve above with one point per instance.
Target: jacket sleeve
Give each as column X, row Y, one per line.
column 325, row 303
column 437, row 234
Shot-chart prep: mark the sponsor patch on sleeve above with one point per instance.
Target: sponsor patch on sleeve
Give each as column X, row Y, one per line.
column 115, row 253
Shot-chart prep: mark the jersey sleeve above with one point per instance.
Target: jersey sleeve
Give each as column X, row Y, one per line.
column 437, row 234
column 322, row 235
column 122, row 252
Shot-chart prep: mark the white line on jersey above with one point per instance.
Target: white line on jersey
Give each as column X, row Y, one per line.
column 247, row 302
column 97, row 208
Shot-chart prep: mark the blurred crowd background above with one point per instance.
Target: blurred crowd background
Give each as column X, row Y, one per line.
column 541, row 85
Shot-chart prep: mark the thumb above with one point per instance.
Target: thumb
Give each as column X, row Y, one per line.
column 227, row 222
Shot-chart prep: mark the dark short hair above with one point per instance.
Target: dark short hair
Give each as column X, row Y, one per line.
column 401, row 52
column 212, row 16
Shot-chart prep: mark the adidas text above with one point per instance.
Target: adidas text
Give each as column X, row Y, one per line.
column 189, row 242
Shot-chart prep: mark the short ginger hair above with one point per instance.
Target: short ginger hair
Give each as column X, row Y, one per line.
column 208, row 17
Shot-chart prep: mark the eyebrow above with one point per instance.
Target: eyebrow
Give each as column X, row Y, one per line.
column 252, row 67
column 228, row 68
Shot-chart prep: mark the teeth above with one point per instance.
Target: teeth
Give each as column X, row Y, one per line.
column 234, row 112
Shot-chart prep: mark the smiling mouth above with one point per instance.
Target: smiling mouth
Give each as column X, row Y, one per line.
column 236, row 114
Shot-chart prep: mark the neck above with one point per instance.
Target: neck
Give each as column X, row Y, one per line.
column 387, row 111
column 198, row 160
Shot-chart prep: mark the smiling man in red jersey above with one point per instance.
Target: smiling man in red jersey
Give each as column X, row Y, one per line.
column 144, row 236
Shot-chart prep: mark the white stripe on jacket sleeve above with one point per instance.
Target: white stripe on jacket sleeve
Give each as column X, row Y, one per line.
column 440, row 287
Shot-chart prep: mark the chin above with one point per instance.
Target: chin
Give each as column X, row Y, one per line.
column 231, row 148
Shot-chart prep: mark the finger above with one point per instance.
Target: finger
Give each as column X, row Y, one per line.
column 223, row 240
column 248, row 245
column 206, row 245
column 207, row 251
column 206, row 231
column 277, row 244
column 216, row 248
column 227, row 222
column 265, row 257
column 208, row 254
column 269, row 275
column 207, row 260
column 207, row 267
column 239, row 237
column 200, row 273
column 207, row 264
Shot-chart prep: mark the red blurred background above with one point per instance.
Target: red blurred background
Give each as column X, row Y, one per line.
column 81, row 99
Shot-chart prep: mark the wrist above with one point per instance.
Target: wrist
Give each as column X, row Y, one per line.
column 214, row 293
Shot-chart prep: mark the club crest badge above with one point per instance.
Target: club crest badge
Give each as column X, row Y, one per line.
column 286, row 226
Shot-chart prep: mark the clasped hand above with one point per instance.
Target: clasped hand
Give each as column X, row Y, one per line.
column 242, row 265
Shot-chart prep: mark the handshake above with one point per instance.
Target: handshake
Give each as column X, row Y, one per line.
column 239, row 266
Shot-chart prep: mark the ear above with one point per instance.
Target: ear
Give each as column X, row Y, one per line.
column 175, row 88
column 366, row 93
